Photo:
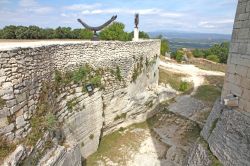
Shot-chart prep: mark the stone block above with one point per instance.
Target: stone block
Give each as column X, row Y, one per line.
column 245, row 82
column 234, row 78
column 4, row 112
column 236, row 90
column 4, row 122
column 20, row 122
column 11, row 103
column 7, row 129
column 231, row 68
column 243, row 16
column 248, row 73
column 248, row 7
column 21, row 97
column 244, row 33
column 241, row 70
column 246, row 95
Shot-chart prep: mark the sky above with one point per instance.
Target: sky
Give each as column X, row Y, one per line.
column 208, row 16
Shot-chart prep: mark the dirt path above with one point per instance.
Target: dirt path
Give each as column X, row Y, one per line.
column 196, row 74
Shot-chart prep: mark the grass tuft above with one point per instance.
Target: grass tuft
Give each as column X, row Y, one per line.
column 208, row 93
column 5, row 148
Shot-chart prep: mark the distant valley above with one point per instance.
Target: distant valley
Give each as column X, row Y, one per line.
column 191, row 40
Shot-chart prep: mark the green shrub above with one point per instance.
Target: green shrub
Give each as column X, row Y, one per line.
column 213, row 58
column 183, row 86
column 96, row 81
column 179, row 56
column 79, row 74
column 118, row 73
column 58, row 77
column 51, row 121
column 71, row 104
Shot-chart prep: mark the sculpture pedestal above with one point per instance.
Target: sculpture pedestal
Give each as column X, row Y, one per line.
column 136, row 34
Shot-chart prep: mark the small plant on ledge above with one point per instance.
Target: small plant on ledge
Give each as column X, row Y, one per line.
column 122, row 116
column 91, row 136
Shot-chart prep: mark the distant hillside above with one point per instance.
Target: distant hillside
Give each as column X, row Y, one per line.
column 191, row 40
column 191, row 35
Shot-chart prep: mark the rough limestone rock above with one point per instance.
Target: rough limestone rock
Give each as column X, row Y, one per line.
column 199, row 155
column 85, row 126
column 61, row 156
column 227, row 132
column 15, row 157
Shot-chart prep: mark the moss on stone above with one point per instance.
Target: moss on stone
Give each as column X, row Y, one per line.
column 122, row 116
column 91, row 136
column 2, row 103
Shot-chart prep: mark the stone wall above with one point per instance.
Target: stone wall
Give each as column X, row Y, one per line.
column 238, row 71
column 23, row 72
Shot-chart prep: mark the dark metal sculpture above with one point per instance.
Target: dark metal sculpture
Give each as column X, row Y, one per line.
column 95, row 29
column 136, row 20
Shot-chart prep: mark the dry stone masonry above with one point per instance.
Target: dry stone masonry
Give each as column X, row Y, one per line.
column 129, row 75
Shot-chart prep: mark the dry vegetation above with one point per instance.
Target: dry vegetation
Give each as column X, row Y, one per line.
column 174, row 80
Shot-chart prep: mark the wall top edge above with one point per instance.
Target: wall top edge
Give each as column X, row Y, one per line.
column 12, row 45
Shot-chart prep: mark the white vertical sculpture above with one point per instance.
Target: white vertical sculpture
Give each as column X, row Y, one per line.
column 136, row 34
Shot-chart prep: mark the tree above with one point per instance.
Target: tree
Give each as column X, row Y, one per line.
column 9, row 32
column 213, row 58
column 198, row 53
column 86, row 34
column 164, row 46
column 179, row 56
column 143, row 35
column 21, row 32
column 115, row 32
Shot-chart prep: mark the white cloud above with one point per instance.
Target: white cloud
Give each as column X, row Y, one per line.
column 41, row 10
column 34, row 6
column 215, row 24
column 79, row 7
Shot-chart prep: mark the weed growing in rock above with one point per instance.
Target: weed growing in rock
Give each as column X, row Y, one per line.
column 5, row 148
column 91, row 136
column 215, row 161
column 82, row 144
column 122, row 116
column 150, row 104
column 51, row 121
column 118, row 73
column 71, row 104
column 2, row 103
